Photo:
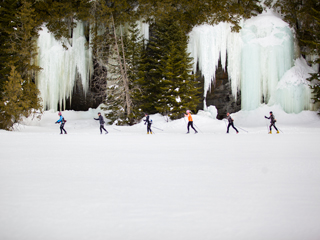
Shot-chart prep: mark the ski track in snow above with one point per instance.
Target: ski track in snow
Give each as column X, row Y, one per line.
column 169, row 185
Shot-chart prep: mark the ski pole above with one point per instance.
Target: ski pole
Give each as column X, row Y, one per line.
column 157, row 128
column 242, row 129
column 225, row 122
column 267, row 126
column 198, row 128
column 280, row 130
column 116, row 129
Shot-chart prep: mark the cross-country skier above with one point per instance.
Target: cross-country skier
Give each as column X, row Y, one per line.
column 62, row 122
column 272, row 122
column 190, row 121
column 100, row 119
column 230, row 120
column 148, row 122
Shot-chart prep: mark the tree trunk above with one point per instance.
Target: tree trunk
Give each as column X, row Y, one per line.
column 123, row 71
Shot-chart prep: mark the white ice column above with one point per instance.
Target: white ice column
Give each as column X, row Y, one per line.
column 208, row 44
column 293, row 92
column 60, row 66
column 267, row 54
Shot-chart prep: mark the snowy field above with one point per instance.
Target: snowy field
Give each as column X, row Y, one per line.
column 128, row 185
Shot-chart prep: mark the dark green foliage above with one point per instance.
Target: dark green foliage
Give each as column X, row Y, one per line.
column 194, row 12
column 19, row 99
column 60, row 16
column 166, row 79
column 7, row 12
column 19, row 95
column 116, row 99
column 314, row 44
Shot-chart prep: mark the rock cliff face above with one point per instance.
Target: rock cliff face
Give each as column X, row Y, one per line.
column 220, row 95
column 81, row 101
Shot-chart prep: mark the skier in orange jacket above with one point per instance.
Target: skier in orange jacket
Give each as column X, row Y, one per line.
column 190, row 121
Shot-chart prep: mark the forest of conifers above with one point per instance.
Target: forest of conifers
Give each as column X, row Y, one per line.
column 153, row 76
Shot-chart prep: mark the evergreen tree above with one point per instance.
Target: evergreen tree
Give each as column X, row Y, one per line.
column 315, row 46
column 60, row 16
column 116, row 99
column 194, row 12
column 168, row 87
column 20, row 95
column 8, row 10
column 19, row 99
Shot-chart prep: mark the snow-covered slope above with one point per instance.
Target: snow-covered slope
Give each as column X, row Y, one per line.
column 169, row 185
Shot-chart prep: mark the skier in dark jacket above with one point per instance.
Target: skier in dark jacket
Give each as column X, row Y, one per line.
column 148, row 122
column 230, row 120
column 62, row 122
column 272, row 122
column 101, row 120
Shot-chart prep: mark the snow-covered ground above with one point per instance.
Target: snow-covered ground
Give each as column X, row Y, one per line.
column 128, row 185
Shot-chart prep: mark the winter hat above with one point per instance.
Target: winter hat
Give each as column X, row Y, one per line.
column 188, row 111
column 271, row 112
column 99, row 112
column 59, row 113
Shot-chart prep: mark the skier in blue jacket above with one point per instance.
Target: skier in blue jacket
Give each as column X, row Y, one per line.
column 62, row 122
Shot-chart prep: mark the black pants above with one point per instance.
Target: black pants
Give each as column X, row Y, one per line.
column 273, row 124
column 62, row 128
column 190, row 123
column 102, row 127
column 149, row 128
column 231, row 124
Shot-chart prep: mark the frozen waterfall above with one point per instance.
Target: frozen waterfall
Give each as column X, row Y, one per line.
column 60, row 66
column 293, row 92
column 257, row 59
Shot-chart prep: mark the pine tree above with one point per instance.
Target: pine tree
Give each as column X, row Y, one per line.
column 8, row 10
column 20, row 95
column 116, row 102
column 17, row 100
column 169, row 87
column 60, row 17
column 314, row 44
column 195, row 12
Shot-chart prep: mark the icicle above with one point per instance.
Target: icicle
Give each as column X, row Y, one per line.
column 267, row 54
column 293, row 92
column 205, row 45
column 60, row 66
column 144, row 29
column 258, row 57
column 234, row 49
